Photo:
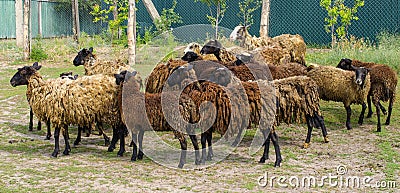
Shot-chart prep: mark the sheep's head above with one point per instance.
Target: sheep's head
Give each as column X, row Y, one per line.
column 190, row 56
column 361, row 74
column 125, row 76
column 345, row 64
column 23, row 74
column 239, row 33
column 211, row 47
column 68, row 75
column 192, row 47
column 83, row 56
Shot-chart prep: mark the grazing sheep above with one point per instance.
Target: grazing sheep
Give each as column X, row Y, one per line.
column 154, row 118
column 278, row 50
column 228, row 117
column 93, row 66
column 342, row 86
column 383, row 86
column 81, row 102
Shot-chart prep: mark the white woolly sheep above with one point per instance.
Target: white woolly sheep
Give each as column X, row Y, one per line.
column 81, row 102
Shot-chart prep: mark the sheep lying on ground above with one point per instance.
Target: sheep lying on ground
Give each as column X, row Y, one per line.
column 383, row 86
column 93, row 66
column 81, row 102
column 216, row 48
column 154, row 119
column 342, row 86
column 246, row 40
column 277, row 50
column 196, row 48
column 227, row 115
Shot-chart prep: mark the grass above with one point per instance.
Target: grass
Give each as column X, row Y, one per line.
column 26, row 165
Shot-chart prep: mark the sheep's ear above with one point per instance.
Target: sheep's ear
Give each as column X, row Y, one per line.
column 247, row 26
column 91, row 49
column 134, row 73
column 36, row 66
column 76, row 76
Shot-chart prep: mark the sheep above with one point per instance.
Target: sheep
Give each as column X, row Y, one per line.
column 159, row 75
column 246, row 40
column 83, row 101
column 383, row 86
column 280, row 49
column 216, row 48
column 154, row 119
column 209, row 91
column 93, row 66
column 298, row 100
column 39, row 127
column 342, row 86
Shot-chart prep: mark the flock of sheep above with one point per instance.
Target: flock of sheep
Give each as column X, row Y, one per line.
column 263, row 86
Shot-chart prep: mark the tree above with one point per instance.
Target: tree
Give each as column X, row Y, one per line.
column 264, row 23
column 26, row 28
column 132, row 32
column 75, row 22
column 217, row 15
column 19, row 23
column 341, row 15
column 246, row 10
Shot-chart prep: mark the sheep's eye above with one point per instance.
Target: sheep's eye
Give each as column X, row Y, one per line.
column 23, row 72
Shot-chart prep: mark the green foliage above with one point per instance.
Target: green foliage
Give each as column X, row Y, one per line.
column 117, row 23
column 215, row 16
column 246, row 9
column 167, row 18
column 147, row 36
column 37, row 52
column 340, row 15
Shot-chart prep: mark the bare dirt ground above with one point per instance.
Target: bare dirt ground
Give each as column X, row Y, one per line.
column 362, row 153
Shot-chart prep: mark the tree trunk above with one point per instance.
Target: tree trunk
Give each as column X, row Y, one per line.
column 132, row 33
column 264, row 23
column 27, row 42
column 19, row 23
column 40, row 18
column 75, row 20
column 151, row 9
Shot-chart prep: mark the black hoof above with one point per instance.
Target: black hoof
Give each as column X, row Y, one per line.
column 110, row 149
column 369, row 116
column 30, row 129
column 262, row 160
column 277, row 163
column 140, row 156
column 54, row 154
column 47, row 138
column 120, row 153
column 76, row 143
column 180, row 165
column 378, row 129
column 209, row 158
column 133, row 159
column 387, row 123
column 66, row 152
column 360, row 122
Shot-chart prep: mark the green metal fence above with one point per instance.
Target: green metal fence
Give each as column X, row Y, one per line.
column 291, row 16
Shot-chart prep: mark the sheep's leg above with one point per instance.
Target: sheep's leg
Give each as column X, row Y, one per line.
column 48, row 130
column 101, row 131
column 114, row 139
column 140, row 138
column 348, row 111
column 56, row 141
column 122, row 140
column 309, row 132
column 274, row 138
column 378, row 116
column 39, row 125
column 193, row 138
column 66, row 139
column 382, row 108
column 30, row 128
column 78, row 137
column 389, row 110
column 369, row 115
column 267, row 138
column 182, row 141
column 134, row 151
column 361, row 118
column 321, row 121
column 210, row 151
column 237, row 139
column 203, row 141
column 87, row 130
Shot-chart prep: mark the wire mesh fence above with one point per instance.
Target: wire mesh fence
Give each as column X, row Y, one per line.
column 54, row 18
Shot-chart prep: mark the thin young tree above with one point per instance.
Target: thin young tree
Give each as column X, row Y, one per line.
column 216, row 15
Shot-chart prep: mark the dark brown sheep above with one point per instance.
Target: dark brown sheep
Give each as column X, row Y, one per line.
column 383, row 86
